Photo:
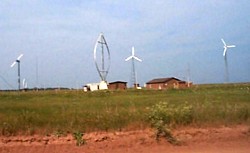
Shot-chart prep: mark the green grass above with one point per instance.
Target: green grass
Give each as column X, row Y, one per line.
column 45, row 112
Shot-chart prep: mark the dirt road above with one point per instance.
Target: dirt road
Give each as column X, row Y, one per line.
column 193, row 140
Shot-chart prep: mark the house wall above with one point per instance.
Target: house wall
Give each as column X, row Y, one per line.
column 185, row 84
column 173, row 83
column 170, row 84
column 156, row 86
column 116, row 86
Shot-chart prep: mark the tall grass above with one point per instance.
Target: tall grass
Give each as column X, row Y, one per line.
column 45, row 112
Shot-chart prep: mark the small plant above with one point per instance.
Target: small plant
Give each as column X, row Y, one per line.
column 78, row 137
column 163, row 131
column 163, row 116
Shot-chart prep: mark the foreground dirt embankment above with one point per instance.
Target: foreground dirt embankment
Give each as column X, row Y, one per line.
column 193, row 140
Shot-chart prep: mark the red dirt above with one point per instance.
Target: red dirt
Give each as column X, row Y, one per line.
column 193, row 140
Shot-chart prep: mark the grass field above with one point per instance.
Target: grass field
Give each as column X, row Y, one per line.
column 57, row 112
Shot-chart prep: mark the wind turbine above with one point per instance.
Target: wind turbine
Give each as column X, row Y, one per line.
column 102, row 63
column 226, row 47
column 18, row 73
column 225, row 58
column 133, row 58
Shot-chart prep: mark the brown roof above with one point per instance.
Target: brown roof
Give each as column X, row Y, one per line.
column 117, row 82
column 162, row 80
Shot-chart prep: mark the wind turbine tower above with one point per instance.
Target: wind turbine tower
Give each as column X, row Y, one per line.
column 133, row 72
column 19, row 69
column 225, row 58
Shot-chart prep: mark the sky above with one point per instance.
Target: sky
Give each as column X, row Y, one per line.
column 173, row 38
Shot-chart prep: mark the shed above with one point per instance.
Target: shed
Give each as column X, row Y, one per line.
column 164, row 83
column 91, row 87
column 117, row 85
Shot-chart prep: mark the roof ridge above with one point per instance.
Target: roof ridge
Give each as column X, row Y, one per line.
column 161, row 80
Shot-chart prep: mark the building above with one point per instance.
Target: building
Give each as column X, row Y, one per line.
column 165, row 83
column 91, row 87
column 95, row 86
column 117, row 85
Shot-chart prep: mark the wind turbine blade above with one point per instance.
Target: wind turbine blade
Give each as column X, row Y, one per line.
column 137, row 59
column 128, row 58
column 225, row 51
column 231, row 46
column 133, row 51
column 223, row 42
column 19, row 57
column 13, row 64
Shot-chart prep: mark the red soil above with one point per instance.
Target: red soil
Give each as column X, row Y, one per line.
column 193, row 140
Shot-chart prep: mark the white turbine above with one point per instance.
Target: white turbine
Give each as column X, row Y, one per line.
column 133, row 58
column 226, row 47
column 225, row 59
column 103, row 63
column 18, row 73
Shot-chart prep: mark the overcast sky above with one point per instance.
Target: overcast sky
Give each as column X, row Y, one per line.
column 173, row 38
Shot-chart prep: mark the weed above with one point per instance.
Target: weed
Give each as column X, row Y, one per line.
column 78, row 136
column 163, row 116
column 171, row 115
